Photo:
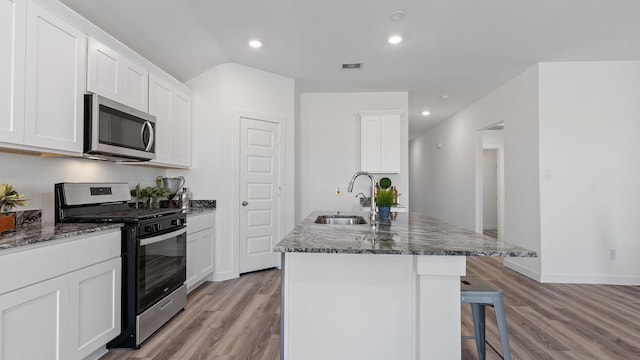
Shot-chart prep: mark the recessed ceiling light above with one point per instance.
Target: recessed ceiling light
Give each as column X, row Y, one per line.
column 256, row 44
column 397, row 14
column 426, row 113
column 444, row 96
column 394, row 39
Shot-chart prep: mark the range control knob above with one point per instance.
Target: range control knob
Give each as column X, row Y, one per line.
column 176, row 222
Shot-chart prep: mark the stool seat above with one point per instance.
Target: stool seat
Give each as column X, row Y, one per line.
column 479, row 293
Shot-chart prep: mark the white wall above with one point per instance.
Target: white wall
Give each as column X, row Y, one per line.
column 590, row 161
column 219, row 95
column 571, row 169
column 489, row 189
column 35, row 177
column 328, row 149
column 443, row 180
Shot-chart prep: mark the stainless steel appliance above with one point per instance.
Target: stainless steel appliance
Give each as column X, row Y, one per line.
column 153, row 254
column 116, row 132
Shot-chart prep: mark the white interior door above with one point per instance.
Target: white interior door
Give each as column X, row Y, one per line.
column 259, row 193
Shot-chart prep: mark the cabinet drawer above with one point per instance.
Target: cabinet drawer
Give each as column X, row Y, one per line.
column 94, row 249
column 30, row 266
column 200, row 222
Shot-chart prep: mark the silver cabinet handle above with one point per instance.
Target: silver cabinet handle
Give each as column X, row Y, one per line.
column 244, row 203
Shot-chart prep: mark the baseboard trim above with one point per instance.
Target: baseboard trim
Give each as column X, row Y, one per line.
column 223, row 276
column 490, row 227
column 97, row 354
column 591, row 279
column 528, row 272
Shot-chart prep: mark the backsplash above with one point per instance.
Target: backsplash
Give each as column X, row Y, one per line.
column 203, row 204
column 35, row 176
column 28, row 217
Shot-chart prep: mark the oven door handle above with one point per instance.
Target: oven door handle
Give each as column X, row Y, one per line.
column 163, row 237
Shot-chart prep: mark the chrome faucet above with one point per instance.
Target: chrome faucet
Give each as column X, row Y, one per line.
column 372, row 216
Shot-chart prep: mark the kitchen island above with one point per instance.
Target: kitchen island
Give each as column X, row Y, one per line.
column 389, row 292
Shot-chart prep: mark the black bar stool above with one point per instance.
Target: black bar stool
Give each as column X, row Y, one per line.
column 479, row 294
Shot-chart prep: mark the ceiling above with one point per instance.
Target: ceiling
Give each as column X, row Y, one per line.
column 463, row 48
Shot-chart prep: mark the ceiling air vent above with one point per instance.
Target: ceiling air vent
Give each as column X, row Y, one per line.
column 353, row 66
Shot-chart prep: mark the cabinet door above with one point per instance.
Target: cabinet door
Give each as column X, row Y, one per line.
column 199, row 256
column 380, row 150
column 370, row 143
column 55, row 73
column 390, row 144
column 172, row 109
column 135, row 89
column 192, row 260
column 34, row 321
column 206, row 239
column 95, row 307
column 117, row 78
column 103, row 70
column 12, row 47
column 160, row 98
column 181, row 121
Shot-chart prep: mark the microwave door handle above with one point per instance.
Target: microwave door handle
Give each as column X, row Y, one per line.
column 147, row 124
column 162, row 237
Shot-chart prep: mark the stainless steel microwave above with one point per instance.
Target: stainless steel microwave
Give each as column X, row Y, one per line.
column 116, row 132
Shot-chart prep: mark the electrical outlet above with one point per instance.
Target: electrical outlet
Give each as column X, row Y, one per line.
column 612, row 254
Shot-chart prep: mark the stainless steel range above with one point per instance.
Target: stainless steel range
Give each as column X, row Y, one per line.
column 153, row 254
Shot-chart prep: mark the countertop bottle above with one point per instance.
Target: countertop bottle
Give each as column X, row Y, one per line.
column 185, row 198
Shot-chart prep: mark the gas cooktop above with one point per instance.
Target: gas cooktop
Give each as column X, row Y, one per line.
column 123, row 216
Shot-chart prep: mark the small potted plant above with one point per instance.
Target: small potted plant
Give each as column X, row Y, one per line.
column 9, row 198
column 150, row 196
column 384, row 200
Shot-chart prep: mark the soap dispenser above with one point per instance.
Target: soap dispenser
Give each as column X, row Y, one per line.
column 185, row 198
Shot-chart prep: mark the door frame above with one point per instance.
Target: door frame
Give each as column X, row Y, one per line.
column 236, row 115
column 480, row 145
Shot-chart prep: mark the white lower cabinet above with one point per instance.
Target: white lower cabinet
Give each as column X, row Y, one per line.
column 72, row 309
column 95, row 307
column 35, row 321
column 200, row 245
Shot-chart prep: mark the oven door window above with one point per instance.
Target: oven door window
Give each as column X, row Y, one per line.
column 161, row 268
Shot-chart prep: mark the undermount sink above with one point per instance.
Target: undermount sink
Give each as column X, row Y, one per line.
column 340, row 219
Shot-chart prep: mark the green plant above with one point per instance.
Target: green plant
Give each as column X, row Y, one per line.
column 151, row 192
column 9, row 198
column 384, row 198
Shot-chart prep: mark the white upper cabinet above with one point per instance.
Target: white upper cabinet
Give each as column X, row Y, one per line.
column 380, row 145
column 117, row 78
column 12, row 42
column 172, row 109
column 54, row 82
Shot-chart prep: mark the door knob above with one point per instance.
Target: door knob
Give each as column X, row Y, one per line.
column 244, row 203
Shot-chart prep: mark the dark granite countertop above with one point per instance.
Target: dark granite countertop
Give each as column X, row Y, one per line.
column 40, row 233
column 409, row 234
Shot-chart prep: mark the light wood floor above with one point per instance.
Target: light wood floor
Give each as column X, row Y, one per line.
column 239, row 320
